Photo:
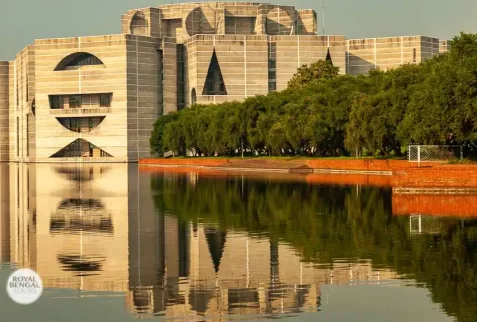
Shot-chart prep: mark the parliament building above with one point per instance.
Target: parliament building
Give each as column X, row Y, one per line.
column 95, row 99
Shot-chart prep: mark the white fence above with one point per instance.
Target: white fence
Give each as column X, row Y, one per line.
column 434, row 153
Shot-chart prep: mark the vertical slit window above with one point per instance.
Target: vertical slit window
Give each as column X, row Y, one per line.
column 414, row 55
column 180, row 77
column 272, row 67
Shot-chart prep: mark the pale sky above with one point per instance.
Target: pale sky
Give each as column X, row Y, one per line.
column 22, row 21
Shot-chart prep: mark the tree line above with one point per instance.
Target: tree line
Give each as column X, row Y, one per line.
column 322, row 113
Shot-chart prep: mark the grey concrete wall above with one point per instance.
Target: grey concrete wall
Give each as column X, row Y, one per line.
column 143, row 94
column 184, row 20
column 169, row 53
column 243, row 62
column 307, row 22
column 22, row 93
column 387, row 53
column 111, row 134
column 4, row 111
column 293, row 52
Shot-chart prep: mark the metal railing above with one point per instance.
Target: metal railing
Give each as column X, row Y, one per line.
column 81, row 111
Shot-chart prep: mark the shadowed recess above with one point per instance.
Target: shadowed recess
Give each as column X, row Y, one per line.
column 80, row 124
column 139, row 24
column 81, row 264
column 214, row 82
column 328, row 57
column 216, row 241
column 81, row 148
column 77, row 60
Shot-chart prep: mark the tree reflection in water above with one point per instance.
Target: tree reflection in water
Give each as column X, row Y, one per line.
column 333, row 222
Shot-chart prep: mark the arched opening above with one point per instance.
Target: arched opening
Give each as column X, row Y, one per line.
column 77, row 60
column 139, row 24
column 193, row 96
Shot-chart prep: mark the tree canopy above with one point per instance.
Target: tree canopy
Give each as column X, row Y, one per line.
column 322, row 113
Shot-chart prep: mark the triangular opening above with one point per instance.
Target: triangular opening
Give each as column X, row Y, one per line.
column 214, row 82
column 216, row 242
column 81, row 148
column 328, row 57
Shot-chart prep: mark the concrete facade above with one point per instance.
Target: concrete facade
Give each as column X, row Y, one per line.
column 444, row 46
column 95, row 99
column 363, row 55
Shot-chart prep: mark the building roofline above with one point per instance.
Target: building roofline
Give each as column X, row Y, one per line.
column 408, row 36
column 73, row 37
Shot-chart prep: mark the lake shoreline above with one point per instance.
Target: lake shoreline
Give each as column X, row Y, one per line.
column 398, row 173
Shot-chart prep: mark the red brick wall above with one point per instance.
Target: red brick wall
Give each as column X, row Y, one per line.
column 405, row 174
column 448, row 176
column 436, row 205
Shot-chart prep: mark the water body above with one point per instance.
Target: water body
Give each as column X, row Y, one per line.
column 113, row 243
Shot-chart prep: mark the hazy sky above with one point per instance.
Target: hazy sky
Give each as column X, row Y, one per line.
column 21, row 21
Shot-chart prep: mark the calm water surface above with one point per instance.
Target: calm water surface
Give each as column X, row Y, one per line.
column 113, row 243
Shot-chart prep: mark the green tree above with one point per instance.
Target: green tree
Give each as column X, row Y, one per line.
column 157, row 135
column 320, row 70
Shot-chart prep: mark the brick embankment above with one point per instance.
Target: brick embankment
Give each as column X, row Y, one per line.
column 401, row 173
column 287, row 163
column 455, row 205
column 438, row 176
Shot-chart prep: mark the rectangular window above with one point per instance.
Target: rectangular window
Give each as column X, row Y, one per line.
column 56, row 102
column 75, row 101
column 272, row 64
column 414, row 55
column 272, row 74
column 272, row 86
column 105, row 100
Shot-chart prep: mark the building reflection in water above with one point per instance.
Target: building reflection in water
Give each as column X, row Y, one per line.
column 95, row 227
